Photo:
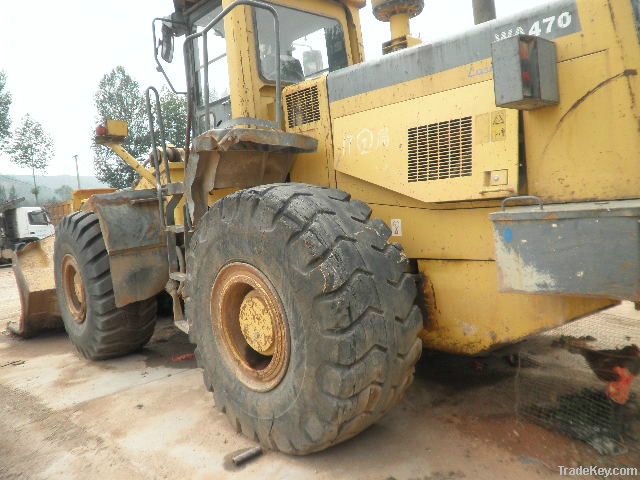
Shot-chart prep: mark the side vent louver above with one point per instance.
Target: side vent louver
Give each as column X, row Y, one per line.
column 441, row 150
column 303, row 107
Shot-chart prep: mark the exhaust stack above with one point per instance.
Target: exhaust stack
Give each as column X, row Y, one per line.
column 484, row 11
column 398, row 13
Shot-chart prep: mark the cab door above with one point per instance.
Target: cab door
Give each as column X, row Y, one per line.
column 210, row 65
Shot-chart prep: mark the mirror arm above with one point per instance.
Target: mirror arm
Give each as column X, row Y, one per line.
column 159, row 66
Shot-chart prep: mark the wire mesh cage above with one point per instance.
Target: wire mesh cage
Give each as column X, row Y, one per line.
column 579, row 380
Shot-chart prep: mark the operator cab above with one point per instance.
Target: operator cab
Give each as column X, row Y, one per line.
column 231, row 69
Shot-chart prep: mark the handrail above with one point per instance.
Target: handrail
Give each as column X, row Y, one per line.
column 523, row 198
column 187, row 43
column 154, row 143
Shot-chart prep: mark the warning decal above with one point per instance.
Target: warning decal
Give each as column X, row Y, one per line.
column 498, row 126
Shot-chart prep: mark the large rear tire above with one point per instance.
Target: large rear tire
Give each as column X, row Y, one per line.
column 343, row 340
column 97, row 328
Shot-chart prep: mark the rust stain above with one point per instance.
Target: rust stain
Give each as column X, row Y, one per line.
column 426, row 301
column 183, row 358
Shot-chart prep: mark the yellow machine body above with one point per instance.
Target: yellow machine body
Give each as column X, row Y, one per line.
column 584, row 149
column 372, row 131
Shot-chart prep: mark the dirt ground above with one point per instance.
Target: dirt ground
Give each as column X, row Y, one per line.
column 149, row 416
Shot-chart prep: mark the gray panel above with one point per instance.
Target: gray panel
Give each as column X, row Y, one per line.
column 511, row 91
column 473, row 46
column 135, row 240
column 590, row 249
column 548, row 73
column 129, row 220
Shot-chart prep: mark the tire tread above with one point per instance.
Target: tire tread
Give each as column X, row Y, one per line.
column 116, row 331
column 368, row 309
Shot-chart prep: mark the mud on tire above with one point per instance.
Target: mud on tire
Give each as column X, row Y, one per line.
column 106, row 330
column 349, row 303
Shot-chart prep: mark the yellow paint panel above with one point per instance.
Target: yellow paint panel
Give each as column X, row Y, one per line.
column 467, row 314
column 587, row 148
column 442, row 234
column 177, row 175
column 117, row 128
column 499, row 126
column 314, row 168
column 374, row 145
column 450, row 79
column 482, row 129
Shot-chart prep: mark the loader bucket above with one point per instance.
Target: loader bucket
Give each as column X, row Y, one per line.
column 33, row 271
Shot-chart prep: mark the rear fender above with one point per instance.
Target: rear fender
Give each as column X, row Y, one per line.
column 135, row 241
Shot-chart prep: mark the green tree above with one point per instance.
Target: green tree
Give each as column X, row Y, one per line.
column 12, row 193
column 174, row 113
column 5, row 104
column 120, row 97
column 3, row 194
column 31, row 147
column 64, row 192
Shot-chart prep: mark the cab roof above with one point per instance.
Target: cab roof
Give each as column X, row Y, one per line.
column 182, row 5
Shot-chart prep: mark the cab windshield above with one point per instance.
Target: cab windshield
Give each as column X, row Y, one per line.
column 309, row 45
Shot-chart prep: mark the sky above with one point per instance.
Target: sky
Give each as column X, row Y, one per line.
column 55, row 53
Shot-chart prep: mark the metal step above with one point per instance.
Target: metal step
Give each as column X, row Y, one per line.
column 173, row 189
column 177, row 276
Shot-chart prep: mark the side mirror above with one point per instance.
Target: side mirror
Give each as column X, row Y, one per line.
column 166, row 44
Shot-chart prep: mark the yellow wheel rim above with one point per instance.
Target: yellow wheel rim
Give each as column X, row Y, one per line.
column 250, row 325
column 74, row 290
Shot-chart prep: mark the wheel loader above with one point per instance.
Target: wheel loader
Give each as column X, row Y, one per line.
column 331, row 216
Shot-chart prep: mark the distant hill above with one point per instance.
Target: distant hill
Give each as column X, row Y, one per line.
column 56, row 181
column 47, row 184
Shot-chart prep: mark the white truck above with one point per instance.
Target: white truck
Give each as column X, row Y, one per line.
column 21, row 225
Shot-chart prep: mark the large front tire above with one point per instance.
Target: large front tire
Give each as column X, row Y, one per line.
column 97, row 328
column 343, row 340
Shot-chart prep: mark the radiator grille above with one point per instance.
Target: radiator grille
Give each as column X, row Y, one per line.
column 441, row 150
column 303, row 107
